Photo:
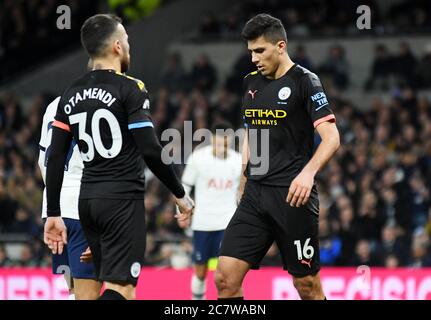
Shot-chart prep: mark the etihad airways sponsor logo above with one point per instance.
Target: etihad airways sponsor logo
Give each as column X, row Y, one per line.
column 265, row 113
column 264, row 116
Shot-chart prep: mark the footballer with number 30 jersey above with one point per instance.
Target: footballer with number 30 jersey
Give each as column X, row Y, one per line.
column 107, row 113
column 102, row 115
column 102, row 109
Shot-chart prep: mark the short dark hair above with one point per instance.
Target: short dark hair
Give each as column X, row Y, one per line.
column 96, row 30
column 220, row 125
column 264, row 25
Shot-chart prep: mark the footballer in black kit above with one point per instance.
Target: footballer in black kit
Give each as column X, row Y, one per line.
column 107, row 113
column 101, row 109
column 290, row 108
column 105, row 106
column 283, row 104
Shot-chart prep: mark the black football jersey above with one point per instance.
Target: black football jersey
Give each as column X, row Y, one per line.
column 281, row 116
column 100, row 109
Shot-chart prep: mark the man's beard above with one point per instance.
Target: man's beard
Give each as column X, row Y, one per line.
column 125, row 63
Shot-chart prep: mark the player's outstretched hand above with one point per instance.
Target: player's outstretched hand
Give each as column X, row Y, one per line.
column 86, row 256
column 55, row 234
column 185, row 207
column 300, row 189
column 184, row 224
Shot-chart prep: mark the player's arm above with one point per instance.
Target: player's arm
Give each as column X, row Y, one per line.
column 188, row 181
column 137, row 105
column 151, row 150
column 300, row 189
column 245, row 158
column 330, row 143
column 55, row 230
column 323, row 121
column 60, row 143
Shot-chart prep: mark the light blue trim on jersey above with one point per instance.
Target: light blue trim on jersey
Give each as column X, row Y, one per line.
column 143, row 124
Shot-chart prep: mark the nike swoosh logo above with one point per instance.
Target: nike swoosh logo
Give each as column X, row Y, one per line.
column 317, row 109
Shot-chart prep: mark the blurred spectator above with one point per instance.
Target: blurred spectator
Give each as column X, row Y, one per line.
column 232, row 24
column 23, row 223
column 420, row 255
column 330, row 244
column 336, row 67
column 369, row 220
column 203, row 75
column 405, row 64
column 346, row 232
column 300, row 57
column 428, row 224
column 226, row 107
column 293, row 24
column 391, row 261
column 8, row 208
column 393, row 245
column 27, row 258
column 12, row 114
column 240, row 69
column 209, row 25
column 174, row 76
column 424, row 69
column 420, row 199
column 364, row 255
column 4, row 260
column 382, row 67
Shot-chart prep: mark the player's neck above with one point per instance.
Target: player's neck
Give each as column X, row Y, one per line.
column 107, row 64
column 284, row 66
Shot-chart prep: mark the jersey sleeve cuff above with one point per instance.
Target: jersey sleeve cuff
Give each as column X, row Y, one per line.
column 53, row 213
column 330, row 118
column 179, row 192
column 141, row 124
column 61, row 125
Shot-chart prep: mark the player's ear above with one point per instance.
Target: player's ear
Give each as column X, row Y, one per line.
column 117, row 47
column 281, row 46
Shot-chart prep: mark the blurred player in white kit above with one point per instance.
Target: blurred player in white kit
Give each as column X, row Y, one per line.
column 214, row 172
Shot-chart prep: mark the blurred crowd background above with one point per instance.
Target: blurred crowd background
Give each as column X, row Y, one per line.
column 374, row 194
